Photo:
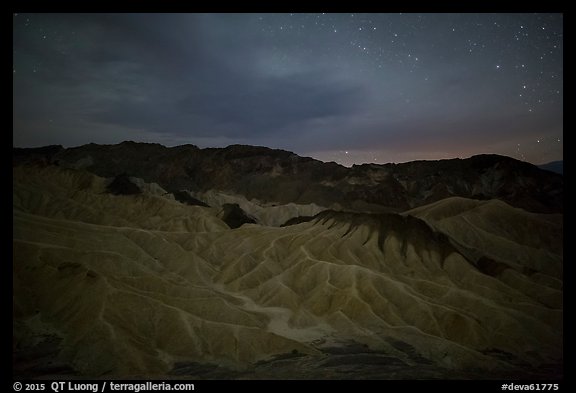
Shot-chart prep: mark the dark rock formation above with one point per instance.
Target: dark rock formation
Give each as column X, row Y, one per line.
column 297, row 220
column 234, row 216
column 122, row 185
column 184, row 197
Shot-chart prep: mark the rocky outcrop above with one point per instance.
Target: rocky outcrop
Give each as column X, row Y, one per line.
column 123, row 185
column 234, row 216
column 185, row 197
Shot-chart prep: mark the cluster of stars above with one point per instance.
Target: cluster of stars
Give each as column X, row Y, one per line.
column 412, row 66
column 510, row 42
column 376, row 39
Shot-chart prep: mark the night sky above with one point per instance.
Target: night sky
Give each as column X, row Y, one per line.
column 349, row 88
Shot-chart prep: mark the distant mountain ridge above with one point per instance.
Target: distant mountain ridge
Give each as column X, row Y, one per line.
column 277, row 176
column 554, row 166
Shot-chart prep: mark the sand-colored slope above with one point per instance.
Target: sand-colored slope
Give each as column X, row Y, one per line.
column 124, row 299
column 364, row 287
column 522, row 249
column 540, row 231
column 134, row 284
column 79, row 196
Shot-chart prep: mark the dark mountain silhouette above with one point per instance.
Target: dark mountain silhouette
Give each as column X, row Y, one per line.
column 272, row 175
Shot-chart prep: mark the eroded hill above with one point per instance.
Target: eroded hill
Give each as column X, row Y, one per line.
column 145, row 285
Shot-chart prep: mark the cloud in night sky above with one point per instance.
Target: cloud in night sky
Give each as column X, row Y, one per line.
column 345, row 87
